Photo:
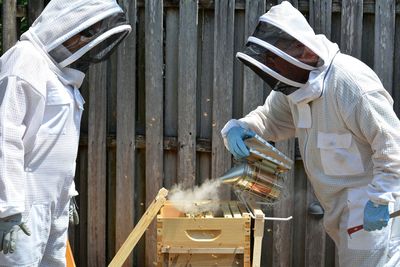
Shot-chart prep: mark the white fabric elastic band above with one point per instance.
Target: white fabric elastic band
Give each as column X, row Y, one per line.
column 280, row 53
column 78, row 54
column 268, row 70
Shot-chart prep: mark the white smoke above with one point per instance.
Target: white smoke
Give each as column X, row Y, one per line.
column 197, row 199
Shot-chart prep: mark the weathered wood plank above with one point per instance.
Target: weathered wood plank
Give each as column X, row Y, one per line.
column 299, row 213
column 97, row 165
column 238, row 66
column 222, row 86
column 125, row 139
column 368, row 46
column 252, row 84
column 80, row 245
column 315, row 235
column 187, row 83
column 352, row 20
column 321, row 16
column 283, row 231
column 204, row 92
column 154, row 114
column 384, row 42
column 396, row 71
column 34, row 9
column 171, row 92
column 9, row 24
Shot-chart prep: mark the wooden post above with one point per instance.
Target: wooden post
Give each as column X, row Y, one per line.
column 384, row 41
column 187, row 83
column 352, row 19
column 171, row 92
column 34, row 10
column 283, row 231
column 222, row 85
column 253, row 86
column 258, row 233
column 96, row 227
column 205, row 90
column 154, row 60
column 126, row 119
column 321, row 16
column 9, row 24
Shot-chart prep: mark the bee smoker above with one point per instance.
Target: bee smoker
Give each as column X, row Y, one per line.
column 262, row 174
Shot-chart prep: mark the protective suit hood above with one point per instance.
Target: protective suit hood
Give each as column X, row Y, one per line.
column 62, row 20
column 287, row 22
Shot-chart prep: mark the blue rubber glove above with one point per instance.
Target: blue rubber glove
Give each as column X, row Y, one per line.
column 376, row 216
column 235, row 137
column 9, row 228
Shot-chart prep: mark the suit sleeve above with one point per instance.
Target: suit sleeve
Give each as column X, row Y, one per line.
column 21, row 113
column 273, row 120
column 375, row 120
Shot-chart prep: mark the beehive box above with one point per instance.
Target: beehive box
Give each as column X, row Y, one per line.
column 222, row 238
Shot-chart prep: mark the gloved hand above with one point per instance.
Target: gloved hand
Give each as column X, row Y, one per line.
column 9, row 228
column 376, row 216
column 235, row 137
column 73, row 212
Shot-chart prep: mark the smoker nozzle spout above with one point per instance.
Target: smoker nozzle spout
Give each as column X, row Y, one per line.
column 233, row 174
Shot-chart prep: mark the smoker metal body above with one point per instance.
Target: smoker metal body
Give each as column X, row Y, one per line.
column 262, row 174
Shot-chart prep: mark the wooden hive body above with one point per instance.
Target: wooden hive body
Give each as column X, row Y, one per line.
column 219, row 239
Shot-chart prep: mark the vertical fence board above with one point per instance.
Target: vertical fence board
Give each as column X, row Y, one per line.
column 34, row 9
column 205, row 89
column 252, row 84
column 125, row 151
column 282, row 231
column 321, row 16
column 315, row 236
column 384, row 41
column 154, row 114
column 368, row 35
column 352, row 20
column 238, row 66
column 171, row 91
column 97, row 165
column 80, row 245
column 9, row 24
column 396, row 71
column 140, row 155
column 187, row 81
column 299, row 214
column 222, row 85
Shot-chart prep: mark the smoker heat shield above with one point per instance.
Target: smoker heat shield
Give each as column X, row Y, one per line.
column 262, row 150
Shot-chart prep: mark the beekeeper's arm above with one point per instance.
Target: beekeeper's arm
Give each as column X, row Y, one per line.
column 273, row 121
column 374, row 120
column 21, row 113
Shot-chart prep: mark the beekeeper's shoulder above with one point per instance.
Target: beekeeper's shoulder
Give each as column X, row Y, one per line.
column 353, row 77
column 25, row 62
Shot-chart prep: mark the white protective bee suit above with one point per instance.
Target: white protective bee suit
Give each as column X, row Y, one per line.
column 348, row 133
column 40, row 114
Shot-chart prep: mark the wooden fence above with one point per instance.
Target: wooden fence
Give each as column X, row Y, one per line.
column 155, row 109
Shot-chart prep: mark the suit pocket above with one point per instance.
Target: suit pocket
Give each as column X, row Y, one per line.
column 339, row 154
column 56, row 113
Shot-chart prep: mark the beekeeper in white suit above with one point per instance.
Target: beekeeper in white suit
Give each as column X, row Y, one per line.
column 348, row 133
column 40, row 113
